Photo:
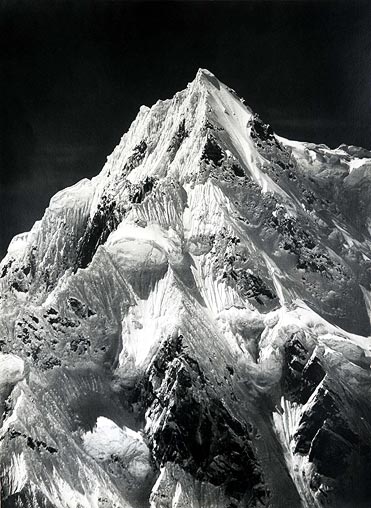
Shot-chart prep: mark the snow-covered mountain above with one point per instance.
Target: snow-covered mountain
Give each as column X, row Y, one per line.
column 190, row 328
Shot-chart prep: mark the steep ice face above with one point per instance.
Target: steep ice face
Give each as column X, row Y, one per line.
column 191, row 326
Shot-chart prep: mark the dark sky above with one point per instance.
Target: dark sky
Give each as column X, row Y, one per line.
column 73, row 75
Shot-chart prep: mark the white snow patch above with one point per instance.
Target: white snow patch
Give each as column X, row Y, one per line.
column 348, row 239
column 357, row 163
column 136, row 245
column 150, row 320
column 17, row 472
column 18, row 244
column 107, row 439
column 367, row 298
column 81, row 191
column 11, row 369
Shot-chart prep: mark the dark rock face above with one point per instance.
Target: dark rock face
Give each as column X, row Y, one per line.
column 22, row 500
column 136, row 157
column 253, row 286
column 105, row 220
column 323, row 408
column 326, row 434
column 80, row 309
column 21, row 275
column 261, row 131
column 139, row 192
column 326, row 437
column 234, row 265
column 301, row 243
column 108, row 216
column 212, row 152
column 302, row 373
column 34, row 444
column 330, row 453
column 237, row 170
column 196, row 430
column 177, row 139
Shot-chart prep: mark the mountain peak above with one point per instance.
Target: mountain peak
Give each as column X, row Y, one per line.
column 206, row 75
column 208, row 291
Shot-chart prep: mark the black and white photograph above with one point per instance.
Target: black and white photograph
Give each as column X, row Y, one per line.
column 185, row 254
